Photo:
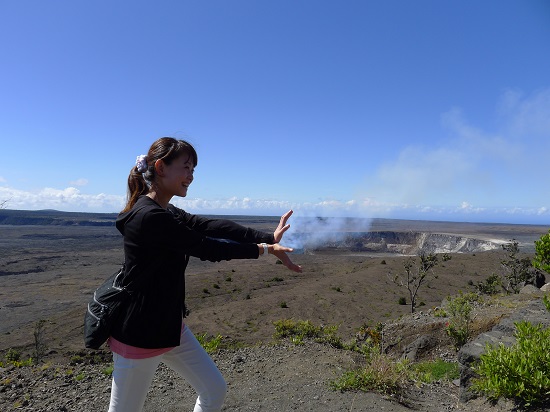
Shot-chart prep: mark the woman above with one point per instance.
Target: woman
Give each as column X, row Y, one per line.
column 158, row 241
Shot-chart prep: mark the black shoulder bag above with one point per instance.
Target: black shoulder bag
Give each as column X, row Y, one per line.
column 104, row 309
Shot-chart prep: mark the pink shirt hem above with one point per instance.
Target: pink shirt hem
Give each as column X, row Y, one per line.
column 133, row 352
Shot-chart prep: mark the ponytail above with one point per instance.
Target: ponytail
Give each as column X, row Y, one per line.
column 136, row 188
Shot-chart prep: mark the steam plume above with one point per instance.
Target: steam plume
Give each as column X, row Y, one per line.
column 310, row 232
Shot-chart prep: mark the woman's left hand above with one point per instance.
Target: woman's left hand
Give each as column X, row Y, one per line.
column 283, row 227
column 282, row 253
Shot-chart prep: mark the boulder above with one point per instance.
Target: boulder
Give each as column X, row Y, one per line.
column 531, row 290
column 415, row 349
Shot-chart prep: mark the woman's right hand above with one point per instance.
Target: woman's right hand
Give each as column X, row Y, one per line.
column 281, row 253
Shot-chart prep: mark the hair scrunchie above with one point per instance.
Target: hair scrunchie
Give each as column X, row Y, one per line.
column 141, row 163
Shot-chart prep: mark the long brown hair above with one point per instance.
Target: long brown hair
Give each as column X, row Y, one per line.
column 165, row 148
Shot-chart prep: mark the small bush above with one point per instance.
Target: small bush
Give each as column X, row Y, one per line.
column 13, row 357
column 491, row 286
column 520, row 372
column 210, row 345
column 542, row 253
column 460, row 309
column 76, row 359
column 276, row 279
column 298, row 331
column 381, row 374
column 440, row 313
column 402, row 300
column 108, row 370
column 518, row 270
column 389, row 376
column 283, row 305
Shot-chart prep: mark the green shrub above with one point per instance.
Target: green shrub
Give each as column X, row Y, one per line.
column 542, row 253
column 76, row 359
column 459, row 309
column 402, row 300
column 518, row 270
column 546, row 302
column 210, row 345
column 13, row 357
column 108, row 370
column 298, row 331
column 520, row 372
column 440, row 313
column 490, row 286
column 381, row 374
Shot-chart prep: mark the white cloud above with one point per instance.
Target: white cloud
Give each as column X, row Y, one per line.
column 527, row 116
column 79, row 182
column 69, row 199
column 493, row 168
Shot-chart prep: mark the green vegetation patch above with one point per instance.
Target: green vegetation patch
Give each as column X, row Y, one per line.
column 298, row 331
column 520, row 372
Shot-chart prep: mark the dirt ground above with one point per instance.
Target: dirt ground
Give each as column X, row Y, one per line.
column 49, row 273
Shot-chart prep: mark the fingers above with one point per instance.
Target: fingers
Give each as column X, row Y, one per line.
column 287, row 214
column 292, row 266
column 282, row 227
column 285, row 218
column 281, row 253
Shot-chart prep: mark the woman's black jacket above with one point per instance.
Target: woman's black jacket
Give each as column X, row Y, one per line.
column 157, row 245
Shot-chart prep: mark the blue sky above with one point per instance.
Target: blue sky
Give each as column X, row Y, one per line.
column 431, row 110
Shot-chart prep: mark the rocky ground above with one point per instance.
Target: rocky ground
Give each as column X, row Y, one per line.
column 50, row 275
column 279, row 376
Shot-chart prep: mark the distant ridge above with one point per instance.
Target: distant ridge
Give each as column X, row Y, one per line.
column 55, row 217
column 46, row 217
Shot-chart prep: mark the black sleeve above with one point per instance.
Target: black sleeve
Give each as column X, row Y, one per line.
column 164, row 231
column 222, row 228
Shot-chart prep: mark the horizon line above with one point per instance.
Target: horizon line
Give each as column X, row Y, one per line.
column 275, row 216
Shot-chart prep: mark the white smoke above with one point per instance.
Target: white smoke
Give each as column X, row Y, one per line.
column 310, row 232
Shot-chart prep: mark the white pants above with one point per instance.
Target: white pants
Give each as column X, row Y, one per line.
column 132, row 377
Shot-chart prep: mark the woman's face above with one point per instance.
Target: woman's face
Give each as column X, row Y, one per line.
column 178, row 176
